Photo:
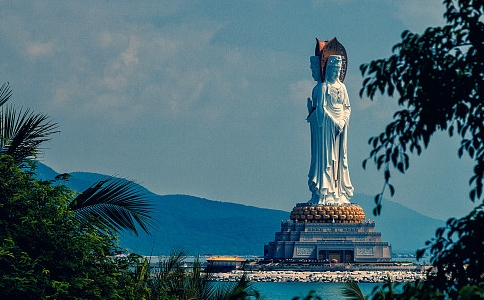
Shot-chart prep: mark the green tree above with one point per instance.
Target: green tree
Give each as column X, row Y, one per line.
column 115, row 202
column 437, row 77
column 56, row 243
column 44, row 252
column 457, row 252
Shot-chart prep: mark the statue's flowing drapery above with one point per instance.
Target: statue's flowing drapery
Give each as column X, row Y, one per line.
column 328, row 177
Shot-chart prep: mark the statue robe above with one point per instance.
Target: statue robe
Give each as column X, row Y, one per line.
column 328, row 178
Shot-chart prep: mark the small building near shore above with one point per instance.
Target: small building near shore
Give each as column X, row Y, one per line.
column 224, row 263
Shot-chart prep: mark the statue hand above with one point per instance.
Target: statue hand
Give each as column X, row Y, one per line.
column 341, row 125
column 310, row 105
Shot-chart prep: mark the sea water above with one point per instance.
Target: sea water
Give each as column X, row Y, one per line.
column 289, row 290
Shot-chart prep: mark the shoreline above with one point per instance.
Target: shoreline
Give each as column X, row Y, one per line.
column 325, row 276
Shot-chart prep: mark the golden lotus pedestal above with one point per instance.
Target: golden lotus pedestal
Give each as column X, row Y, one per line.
column 351, row 213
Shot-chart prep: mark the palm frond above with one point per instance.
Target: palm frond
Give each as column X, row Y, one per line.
column 5, row 93
column 174, row 261
column 117, row 203
column 351, row 290
column 22, row 132
column 201, row 283
column 243, row 289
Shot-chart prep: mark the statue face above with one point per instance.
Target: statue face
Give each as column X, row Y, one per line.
column 332, row 73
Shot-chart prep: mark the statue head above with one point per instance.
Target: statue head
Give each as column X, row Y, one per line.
column 316, row 67
column 333, row 67
column 325, row 49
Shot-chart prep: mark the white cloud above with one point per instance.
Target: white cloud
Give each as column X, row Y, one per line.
column 417, row 15
column 36, row 49
column 301, row 90
column 129, row 56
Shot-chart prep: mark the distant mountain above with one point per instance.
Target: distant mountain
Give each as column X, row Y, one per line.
column 204, row 226
column 405, row 229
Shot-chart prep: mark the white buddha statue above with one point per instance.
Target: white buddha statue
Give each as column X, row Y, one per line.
column 329, row 115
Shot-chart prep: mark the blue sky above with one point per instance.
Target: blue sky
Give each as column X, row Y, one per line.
column 208, row 98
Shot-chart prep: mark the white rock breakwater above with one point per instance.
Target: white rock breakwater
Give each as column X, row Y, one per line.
column 327, row 276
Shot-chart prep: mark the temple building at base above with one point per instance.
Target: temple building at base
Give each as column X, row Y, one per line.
column 331, row 233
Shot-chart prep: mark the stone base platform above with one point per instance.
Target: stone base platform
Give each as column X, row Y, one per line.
column 328, row 233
